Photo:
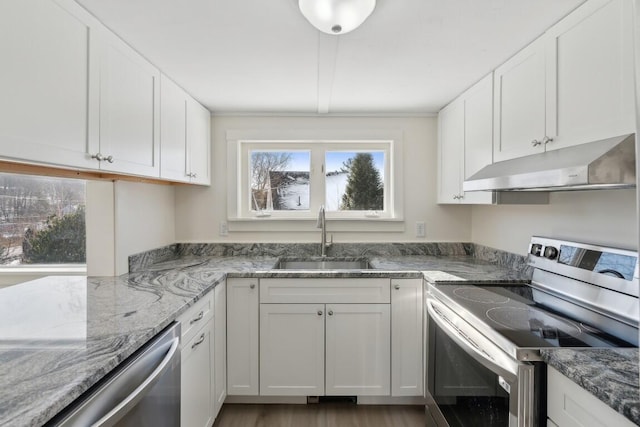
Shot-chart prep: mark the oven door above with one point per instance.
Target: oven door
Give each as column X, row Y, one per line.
column 471, row 382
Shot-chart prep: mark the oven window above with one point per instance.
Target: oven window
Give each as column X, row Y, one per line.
column 467, row 394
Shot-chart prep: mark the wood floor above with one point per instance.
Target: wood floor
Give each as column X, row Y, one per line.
column 320, row 415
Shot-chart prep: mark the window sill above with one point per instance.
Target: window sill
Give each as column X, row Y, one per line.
column 334, row 225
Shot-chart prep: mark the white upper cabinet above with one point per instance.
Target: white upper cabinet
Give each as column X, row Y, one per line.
column 129, row 139
column 590, row 74
column 185, row 136
column 173, row 131
column 465, row 143
column 519, row 104
column 198, row 142
column 571, row 86
column 450, row 151
column 46, row 82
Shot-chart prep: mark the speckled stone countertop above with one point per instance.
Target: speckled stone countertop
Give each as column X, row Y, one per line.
column 60, row 335
column 610, row 375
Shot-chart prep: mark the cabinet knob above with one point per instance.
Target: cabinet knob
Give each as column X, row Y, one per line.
column 535, row 142
column 330, row 312
column 319, row 312
column 547, row 140
column 194, row 175
column 108, row 159
column 99, row 157
column 252, row 286
column 396, row 287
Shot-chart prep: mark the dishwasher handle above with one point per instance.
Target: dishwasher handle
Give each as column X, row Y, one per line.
column 121, row 409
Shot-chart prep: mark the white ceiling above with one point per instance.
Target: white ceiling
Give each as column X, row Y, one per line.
column 262, row 56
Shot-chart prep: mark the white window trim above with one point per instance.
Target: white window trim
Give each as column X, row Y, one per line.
column 240, row 217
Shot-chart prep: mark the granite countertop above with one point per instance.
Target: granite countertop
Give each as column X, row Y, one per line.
column 60, row 335
column 609, row 374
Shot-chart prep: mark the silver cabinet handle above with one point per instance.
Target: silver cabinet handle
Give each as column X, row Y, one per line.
column 330, row 312
column 108, row 159
column 252, row 286
column 99, row 157
column 535, row 142
column 200, row 341
column 319, row 312
column 547, row 140
column 197, row 319
column 194, row 175
column 396, row 287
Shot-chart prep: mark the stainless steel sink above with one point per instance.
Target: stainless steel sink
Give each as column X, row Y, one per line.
column 323, row 264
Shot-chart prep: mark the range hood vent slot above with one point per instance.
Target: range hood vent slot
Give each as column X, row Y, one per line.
column 605, row 164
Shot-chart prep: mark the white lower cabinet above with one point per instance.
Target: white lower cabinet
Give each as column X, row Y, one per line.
column 220, row 348
column 242, row 337
column 358, row 350
column 197, row 355
column 292, row 349
column 407, row 349
column 569, row 405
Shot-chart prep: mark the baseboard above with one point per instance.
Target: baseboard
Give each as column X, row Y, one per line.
column 302, row 400
column 391, row 400
column 267, row 400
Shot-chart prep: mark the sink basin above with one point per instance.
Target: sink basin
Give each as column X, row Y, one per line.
column 323, row 264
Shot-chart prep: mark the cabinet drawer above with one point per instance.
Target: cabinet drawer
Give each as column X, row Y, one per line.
column 197, row 316
column 313, row 291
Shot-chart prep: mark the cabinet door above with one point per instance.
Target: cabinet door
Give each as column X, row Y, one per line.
column 291, row 349
column 47, row 82
column 173, row 131
column 219, row 348
column 242, row 337
column 358, row 353
column 519, row 104
column 478, row 136
column 198, row 142
column 590, row 74
column 129, row 109
column 569, row 405
column 406, row 337
column 450, row 151
column 195, row 399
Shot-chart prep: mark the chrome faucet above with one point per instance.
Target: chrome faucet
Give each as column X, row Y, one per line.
column 322, row 223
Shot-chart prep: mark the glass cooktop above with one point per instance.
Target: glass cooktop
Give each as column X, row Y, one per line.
column 511, row 311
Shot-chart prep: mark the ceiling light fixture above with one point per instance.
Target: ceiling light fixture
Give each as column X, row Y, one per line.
column 336, row 16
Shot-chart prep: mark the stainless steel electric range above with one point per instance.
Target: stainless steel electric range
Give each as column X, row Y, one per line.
column 484, row 340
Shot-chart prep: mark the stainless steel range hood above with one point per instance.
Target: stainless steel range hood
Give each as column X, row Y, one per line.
column 608, row 163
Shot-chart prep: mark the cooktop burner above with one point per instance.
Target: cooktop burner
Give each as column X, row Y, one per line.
column 511, row 312
column 475, row 294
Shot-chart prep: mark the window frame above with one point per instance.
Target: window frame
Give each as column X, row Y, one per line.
column 241, row 143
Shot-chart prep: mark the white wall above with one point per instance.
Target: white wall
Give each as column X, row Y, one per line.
column 144, row 219
column 605, row 217
column 199, row 210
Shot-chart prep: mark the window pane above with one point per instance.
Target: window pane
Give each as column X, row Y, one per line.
column 354, row 181
column 41, row 220
column 280, row 180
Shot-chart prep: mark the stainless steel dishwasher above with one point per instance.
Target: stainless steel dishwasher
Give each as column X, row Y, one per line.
column 143, row 391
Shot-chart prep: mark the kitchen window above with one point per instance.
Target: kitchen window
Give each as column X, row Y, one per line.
column 291, row 179
column 42, row 221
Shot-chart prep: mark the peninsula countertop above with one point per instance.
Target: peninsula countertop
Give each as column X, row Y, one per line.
column 61, row 335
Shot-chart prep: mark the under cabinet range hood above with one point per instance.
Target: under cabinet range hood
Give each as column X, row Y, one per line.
column 605, row 164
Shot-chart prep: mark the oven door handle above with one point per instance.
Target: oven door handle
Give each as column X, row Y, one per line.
column 473, row 342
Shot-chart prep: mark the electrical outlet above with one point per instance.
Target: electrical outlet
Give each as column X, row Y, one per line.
column 420, row 229
column 224, row 228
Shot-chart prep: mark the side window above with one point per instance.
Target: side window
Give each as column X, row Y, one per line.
column 42, row 220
